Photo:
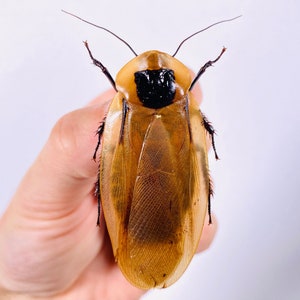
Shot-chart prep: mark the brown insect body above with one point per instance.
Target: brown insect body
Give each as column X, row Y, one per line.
column 154, row 181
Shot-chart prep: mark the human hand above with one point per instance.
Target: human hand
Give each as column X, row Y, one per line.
column 50, row 246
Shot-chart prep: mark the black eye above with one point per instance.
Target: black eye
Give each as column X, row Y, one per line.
column 155, row 88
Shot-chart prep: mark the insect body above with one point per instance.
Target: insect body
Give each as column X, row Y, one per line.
column 154, row 184
column 154, row 180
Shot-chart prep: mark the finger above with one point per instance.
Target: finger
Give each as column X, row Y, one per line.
column 196, row 91
column 105, row 98
column 208, row 234
column 64, row 171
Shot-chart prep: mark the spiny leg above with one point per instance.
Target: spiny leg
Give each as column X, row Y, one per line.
column 97, row 195
column 100, row 65
column 211, row 131
column 99, row 132
column 97, row 184
column 202, row 70
column 100, row 128
column 210, row 194
column 209, row 128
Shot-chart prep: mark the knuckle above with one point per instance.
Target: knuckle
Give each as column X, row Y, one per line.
column 64, row 135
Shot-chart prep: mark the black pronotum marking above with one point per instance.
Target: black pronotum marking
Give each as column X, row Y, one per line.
column 155, row 88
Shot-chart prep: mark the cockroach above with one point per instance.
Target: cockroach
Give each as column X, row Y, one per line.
column 154, row 185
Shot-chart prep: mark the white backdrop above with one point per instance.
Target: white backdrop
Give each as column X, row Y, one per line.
column 251, row 96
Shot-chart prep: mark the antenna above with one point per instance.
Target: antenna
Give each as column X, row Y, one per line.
column 68, row 13
column 214, row 24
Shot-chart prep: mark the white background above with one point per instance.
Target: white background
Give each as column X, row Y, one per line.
column 251, row 96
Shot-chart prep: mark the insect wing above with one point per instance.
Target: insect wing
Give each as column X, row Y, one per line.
column 155, row 197
column 112, row 178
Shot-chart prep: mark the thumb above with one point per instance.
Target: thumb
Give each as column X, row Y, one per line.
column 64, row 172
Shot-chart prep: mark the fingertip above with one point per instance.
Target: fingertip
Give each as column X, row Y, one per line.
column 208, row 234
column 197, row 92
column 65, row 164
column 104, row 98
column 73, row 139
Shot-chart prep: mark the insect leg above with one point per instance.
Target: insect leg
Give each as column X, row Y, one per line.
column 97, row 184
column 202, row 69
column 97, row 195
column 99, row 64
column 211, row 131
column 210, row 194
column 99, row 132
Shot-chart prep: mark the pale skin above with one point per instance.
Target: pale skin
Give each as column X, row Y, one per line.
column 50, row 246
